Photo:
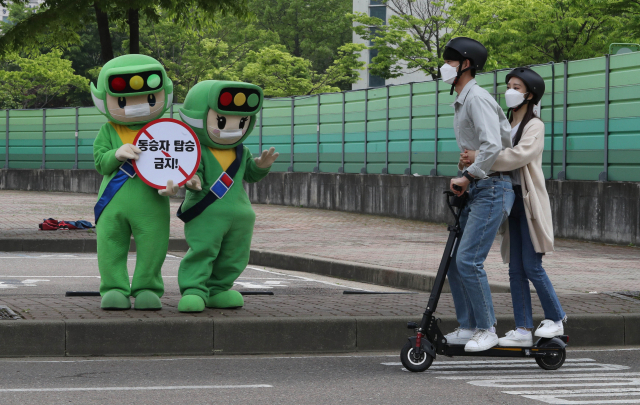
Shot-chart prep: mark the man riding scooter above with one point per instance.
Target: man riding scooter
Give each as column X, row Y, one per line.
column 481, row 125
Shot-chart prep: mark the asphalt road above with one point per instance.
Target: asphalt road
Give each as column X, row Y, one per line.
column 56, row 273
column 588, row 377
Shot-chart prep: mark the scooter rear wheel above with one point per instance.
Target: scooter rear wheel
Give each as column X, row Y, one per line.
column 411, row 362
column 555, row 362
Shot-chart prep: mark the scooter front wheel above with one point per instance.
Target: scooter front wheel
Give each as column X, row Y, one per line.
column 412, row 362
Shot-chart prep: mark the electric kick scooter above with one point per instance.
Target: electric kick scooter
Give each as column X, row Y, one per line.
column 420, row 350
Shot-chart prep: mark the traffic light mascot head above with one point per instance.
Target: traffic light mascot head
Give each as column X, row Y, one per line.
column 131, row 91
column 217, row 213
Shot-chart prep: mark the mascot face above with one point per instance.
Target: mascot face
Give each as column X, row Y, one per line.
column 132, row 89
column 226, row 129
column 222, row 113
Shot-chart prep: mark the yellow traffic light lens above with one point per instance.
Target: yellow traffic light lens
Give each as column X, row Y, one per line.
column 136, row 82
column 239, row 99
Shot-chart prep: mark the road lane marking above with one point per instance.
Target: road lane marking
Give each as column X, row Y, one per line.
column 588, row 381
column 564, row 392
column 557, row 400
column 559, row 376
column 306, row 279
column 168, row 387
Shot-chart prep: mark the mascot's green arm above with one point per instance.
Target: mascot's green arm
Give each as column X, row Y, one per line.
column 104, row 152
column 253, row 173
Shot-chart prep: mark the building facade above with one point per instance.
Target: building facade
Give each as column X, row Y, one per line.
column 5, row 10
column 377, row 8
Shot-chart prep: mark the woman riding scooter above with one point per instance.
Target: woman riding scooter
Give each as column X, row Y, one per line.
column 528, row 234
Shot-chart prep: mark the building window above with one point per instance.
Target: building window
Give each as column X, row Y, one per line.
column 379, row 10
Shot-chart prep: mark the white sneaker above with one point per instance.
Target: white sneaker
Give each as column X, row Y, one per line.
column 459, row 336
column 516, row 339
column 549, row 329
column 482, row 340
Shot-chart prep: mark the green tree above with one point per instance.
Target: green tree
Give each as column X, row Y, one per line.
column 44, row 80
column 310, row 29
column 536, row 31
column 215, row 50
column 413, row 39
column 281, row 74
column 61, row 20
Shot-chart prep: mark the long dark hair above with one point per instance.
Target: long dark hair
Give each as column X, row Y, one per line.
column 525, row 120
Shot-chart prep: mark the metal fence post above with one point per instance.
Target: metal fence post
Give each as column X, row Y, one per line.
column 260, row 134
column 44, row 138
column 495, row 84
column 317, row 168
column 604, row 175
column 553, row 113
column 408, row 169
column 366, row 125
column 385, row 170
column 563, row 174
column 171, row 111
column 293, row 101
column 434, row 171
column 75, row 165
column 6, row 150
column 344, row 101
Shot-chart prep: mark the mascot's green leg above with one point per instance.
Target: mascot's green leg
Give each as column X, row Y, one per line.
column 204, row 238
column 150, row 229
column 147, row 301
column 114, row 234
column 226, row 299
column 230, row 263
column 191, row 303
column 114, row 299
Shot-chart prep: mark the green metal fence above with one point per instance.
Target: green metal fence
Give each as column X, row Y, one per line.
column 591, row 110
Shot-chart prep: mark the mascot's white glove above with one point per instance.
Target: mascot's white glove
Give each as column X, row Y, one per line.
column 267, row 158
column 170, row 191
column 194, row 183
column 127, row 151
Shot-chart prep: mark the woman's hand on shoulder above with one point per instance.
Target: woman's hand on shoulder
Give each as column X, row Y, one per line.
column 468, row 157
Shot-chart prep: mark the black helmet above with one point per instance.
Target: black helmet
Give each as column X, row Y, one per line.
column 533, row 81
column 468, row 49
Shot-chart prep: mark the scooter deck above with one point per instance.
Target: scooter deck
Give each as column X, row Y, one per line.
column 499, row 351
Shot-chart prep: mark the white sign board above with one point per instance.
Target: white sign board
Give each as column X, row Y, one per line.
column 170, row 151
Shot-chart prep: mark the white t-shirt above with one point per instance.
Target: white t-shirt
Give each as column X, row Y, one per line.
column 515, row 174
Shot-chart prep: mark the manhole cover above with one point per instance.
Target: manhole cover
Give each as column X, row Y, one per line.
column 6, row 314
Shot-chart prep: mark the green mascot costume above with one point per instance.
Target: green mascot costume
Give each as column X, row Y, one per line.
column 131, row 91
column 217, row 212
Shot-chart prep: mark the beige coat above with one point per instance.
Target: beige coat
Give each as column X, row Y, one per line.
column 528, row 152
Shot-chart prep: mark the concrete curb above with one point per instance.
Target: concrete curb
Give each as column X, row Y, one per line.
column 365, row 273
column 208, row 336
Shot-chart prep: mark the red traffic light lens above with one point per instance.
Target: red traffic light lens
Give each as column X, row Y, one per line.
column 226, row 98
column 118, row 84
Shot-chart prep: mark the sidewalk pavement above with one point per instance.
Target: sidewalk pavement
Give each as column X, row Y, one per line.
column 584, row 274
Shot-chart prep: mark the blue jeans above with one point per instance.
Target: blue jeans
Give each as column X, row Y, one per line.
column 525, row 265
column 489, row 204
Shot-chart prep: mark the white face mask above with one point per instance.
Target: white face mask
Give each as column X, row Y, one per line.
column 139, row 110
column 230, row 133
column 513, row 98
column 448, row 73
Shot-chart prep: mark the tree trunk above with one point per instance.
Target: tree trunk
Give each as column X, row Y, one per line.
column 134, row 31
column 106, row 49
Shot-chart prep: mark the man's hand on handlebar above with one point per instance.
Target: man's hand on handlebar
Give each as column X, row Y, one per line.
column 459, row 185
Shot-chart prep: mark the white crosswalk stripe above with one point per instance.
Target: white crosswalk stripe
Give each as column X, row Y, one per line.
column 580, row 381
